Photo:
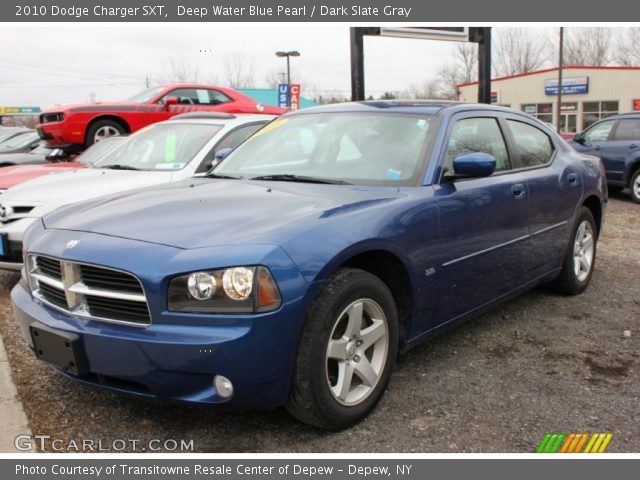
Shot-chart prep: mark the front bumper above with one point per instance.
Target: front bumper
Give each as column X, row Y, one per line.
column 14, row 232
column 170, row 362
column 64, row 134
column 178, row 355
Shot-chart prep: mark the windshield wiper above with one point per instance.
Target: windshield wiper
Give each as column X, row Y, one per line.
column 217, row 175
column 119, row 166
column 288, row 177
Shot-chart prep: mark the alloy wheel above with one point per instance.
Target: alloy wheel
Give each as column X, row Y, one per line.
column 583, row 250
column 357, row 352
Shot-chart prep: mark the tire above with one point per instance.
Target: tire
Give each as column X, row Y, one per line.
column 103, row 129
column 316, row 397
column 634, row 187
column 580, row 257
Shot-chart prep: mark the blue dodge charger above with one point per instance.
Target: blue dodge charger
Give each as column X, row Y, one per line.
column 330, row 241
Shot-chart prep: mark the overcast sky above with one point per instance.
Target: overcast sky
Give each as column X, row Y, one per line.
column 60, row 64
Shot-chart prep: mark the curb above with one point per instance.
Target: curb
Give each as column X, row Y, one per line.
column 13, row 421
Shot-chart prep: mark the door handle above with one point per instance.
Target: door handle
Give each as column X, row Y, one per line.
column 597, row 147
column 633, row 145
column 572, row 178
column 518, row 191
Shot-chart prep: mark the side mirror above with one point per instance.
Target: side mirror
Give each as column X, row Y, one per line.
column 170, row 101
column 222, row 154
column 579, row 138
column 472, row 165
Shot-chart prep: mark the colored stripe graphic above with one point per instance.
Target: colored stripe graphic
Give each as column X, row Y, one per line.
column 556, row 442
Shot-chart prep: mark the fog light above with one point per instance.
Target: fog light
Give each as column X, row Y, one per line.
column 201, row 285
column 223, row 386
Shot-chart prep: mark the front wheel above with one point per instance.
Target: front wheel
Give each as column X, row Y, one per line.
column 580, row 256
column 634, row 187
column 346, row 352
column 103, row 129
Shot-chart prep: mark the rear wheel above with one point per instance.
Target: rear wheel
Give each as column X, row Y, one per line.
column 103, row 129
column 346, row 353
column 634, row 187
column 580, row 256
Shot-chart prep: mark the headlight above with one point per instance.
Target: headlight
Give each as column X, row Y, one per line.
column 244, row 290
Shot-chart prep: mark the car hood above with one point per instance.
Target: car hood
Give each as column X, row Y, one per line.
column 10, row 176
column 89, row 107
column 50, row 191
column 205, row 213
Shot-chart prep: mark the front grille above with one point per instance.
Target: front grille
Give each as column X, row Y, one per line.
column 89, row 291
column 49, row 267
column 100, row 278
column 53, row 295
column 51, row 117
column 124, row 309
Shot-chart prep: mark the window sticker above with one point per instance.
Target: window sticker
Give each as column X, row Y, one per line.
column 272, row 126
column 203, row 97
column 169, row 166
column 170, row 148
column 393, row 174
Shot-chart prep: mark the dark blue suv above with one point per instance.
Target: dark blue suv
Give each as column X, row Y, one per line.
column 616, row 140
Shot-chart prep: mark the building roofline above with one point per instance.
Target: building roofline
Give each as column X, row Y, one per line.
column 553, row 69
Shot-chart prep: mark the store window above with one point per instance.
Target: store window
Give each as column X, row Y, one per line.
column 542, row 111
column 594, row 111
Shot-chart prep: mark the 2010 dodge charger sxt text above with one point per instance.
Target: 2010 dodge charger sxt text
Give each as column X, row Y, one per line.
column 327, row 242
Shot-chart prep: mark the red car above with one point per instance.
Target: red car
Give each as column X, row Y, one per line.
column 80, row 126
column 13, row 175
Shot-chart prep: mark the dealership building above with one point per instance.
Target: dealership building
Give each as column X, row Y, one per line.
column 588, row 94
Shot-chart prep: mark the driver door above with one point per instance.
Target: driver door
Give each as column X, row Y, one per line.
column 484, row 226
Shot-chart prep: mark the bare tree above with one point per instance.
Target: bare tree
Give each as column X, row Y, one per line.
column 274, row 77
column 427, row 89
column 466, row 57
column 178, row 71
column 239, row 71
column 588, row 46
column 519, row 50
column 628, row 47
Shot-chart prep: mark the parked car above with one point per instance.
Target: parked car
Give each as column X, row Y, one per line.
column 161, row 153
column 7, row 133
column 39, row 155
column 78, row 126
column 327, row 242
column 616, row 140
column 17, row 174
column 22, row 143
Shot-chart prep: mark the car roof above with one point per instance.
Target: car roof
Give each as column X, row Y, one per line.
column 419, row 107
column 237, row 119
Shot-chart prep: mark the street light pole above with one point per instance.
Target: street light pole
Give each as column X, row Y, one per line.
column 289, row 54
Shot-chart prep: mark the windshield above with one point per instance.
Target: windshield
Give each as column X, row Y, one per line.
column 163, row 146
column 146, row 96
column 372, row 149
column 21, row 140
column 99, row 150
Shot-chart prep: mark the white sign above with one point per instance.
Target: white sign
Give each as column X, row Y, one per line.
column 456, row 34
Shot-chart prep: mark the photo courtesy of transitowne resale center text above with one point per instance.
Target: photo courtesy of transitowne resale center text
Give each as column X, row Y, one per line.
column 288, row 239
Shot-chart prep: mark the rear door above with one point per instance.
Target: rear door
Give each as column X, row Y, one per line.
column 554, row 187
column 483, row 225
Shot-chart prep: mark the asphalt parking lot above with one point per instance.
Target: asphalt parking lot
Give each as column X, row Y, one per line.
column 537, row 364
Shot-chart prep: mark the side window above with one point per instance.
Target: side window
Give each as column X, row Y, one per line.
column 534, row 145
column 478, row 135
column 185, row 96
column 232, row 140
column 215, row 97
column 599, row 133
column 628, row 130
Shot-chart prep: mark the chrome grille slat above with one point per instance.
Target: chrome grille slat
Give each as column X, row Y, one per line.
column 89, row 291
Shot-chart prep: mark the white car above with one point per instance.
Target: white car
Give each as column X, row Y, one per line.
column 184, row 147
